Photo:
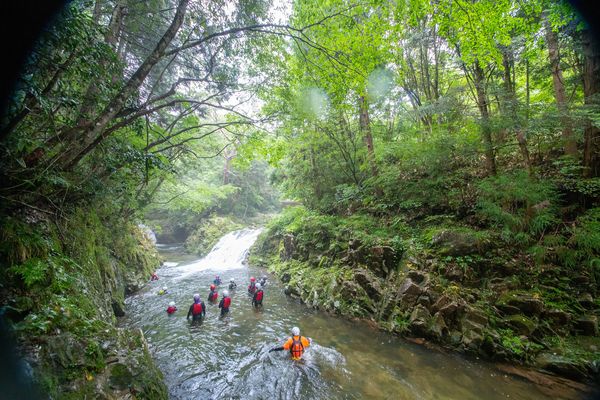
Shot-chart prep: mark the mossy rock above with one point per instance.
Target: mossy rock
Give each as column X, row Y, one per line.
column 520, row 324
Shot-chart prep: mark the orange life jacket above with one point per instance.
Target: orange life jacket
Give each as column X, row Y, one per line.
column 297, row 348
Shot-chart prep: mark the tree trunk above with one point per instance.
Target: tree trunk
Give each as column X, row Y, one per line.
column 486, row 130
column 570, row 144
column 510, row 107
column 94, row 134
column 591, row 89
column 365, row 127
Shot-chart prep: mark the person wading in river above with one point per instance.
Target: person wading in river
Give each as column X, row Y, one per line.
column 252, row 286
column 197, row 310
column 232, row 284
column 172, row 308
column 258, row 296
column 225, row 303
column 296, row 344
column 213, row 294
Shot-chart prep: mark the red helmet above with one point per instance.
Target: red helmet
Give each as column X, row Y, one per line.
column 212, row 287
column 252, row 279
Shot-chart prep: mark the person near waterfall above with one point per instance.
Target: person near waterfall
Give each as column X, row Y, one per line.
column 258, row 296
column 213, row 294
column 232, row 284
column 197, row 310
column 295, row 345
column 225, row 303
column 252, row 286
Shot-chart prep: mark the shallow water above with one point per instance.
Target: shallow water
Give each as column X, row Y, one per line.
column 228, row 358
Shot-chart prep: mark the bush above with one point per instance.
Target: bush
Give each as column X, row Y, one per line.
column 523, row 208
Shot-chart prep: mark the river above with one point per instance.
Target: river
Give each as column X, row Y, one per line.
column 228, row 358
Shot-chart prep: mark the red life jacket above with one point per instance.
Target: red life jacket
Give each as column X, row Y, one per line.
column 214, row 295
column 297, row 348
column 252, row 288
column 197, row 309
column 171, row 310
column 259, row 296
column 226, row 302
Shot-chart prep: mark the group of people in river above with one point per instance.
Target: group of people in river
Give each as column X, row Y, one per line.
column 197, row 311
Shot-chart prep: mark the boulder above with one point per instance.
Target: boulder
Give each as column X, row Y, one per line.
column 472, row 339
column 587, row 325
column 383, row 259
column 439, row 329
column 418, row 277
column 289, row 247
column 520, row 324
column 456, row 243
column 558, row 318
column 409, row 292
column 561, row 365
column 369, row 283
column 586, row 300
column 523, row 301
column 419, row 320
column 285, row 277
column 118, row 308
column 476, row 316
column 454, row 273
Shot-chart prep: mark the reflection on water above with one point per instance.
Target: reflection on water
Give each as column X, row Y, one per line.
column 228, row 358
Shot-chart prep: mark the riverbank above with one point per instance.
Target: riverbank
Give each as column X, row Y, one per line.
column 461, row 288
column 62, row 292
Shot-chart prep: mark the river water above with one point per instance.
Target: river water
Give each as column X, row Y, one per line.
column 228, row 358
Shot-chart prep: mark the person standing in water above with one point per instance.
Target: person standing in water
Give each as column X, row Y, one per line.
column 296, row 344
column 217, row 280
column 225, row 303
column 197, row 310
column 252, row 286
column 258, row 296
column 213, row 294
column 232, row 284
column 172, row 308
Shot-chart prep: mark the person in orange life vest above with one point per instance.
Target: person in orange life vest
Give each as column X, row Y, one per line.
column 225, row 303
column 213, row 294
column 171, row 309
column 154, row 277
column 258, row 296
column 197, row 310
column 252, row 286
column 295, row 345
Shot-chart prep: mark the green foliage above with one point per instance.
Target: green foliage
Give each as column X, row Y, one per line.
column 519, row 206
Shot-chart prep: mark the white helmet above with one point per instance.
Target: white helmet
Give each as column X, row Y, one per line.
column 258, row 286
column 225, row 293
column 172, row 304
column 231, row 280
column 296, row 331
column 165, row 288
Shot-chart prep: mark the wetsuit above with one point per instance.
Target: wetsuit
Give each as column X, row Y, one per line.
column 295, row 345
column 252, row 288
column 212, row 296
column 258, row 298
column 224, row 305
column 232, row 286
column 197, row 311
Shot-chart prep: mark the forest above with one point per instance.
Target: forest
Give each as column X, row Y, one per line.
column 432, row 166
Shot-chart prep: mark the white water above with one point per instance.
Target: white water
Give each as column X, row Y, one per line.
column 230, row 252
